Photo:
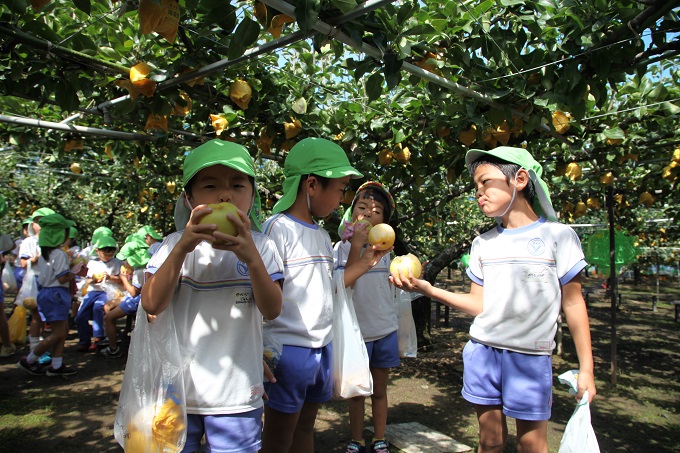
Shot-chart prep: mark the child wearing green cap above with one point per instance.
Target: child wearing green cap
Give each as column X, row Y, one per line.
column 135, row 256
column 152, row 238
column 374, row 304
column 317, row 173
column 54, row 298
column 29, row 253
column 219, row 293
column 523, row 272
column 101, row 273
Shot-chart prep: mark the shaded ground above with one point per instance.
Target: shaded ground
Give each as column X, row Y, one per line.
column 639, row 413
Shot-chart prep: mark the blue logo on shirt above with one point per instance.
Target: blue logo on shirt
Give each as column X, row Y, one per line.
column 536, row 246
column 242, row 269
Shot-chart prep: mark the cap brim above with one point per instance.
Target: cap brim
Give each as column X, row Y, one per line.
column 542, row 204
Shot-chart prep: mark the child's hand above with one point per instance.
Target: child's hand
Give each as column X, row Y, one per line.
column 586, row 381
column 360, row 234
column 409, row 283
column 242, row 245
column 194, row 232
column 371, row 255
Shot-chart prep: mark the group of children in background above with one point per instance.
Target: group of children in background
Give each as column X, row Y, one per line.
column 110, row 285
column 276, row 279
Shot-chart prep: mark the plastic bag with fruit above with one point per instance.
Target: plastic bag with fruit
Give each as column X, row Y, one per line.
column 350, row 366
column 27, row 296
column 406, row 333
column 579, row 436
column 9, row 281
column 17, row 326
column 151, row 415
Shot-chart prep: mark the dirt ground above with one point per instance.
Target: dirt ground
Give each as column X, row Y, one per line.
column 641, row 412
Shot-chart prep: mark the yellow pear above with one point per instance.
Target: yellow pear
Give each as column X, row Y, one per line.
column 647, row 199
column 383, row 235
column 405, row 263
column 218, row 216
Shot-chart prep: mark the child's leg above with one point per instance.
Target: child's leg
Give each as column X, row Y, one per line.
column 4, row 328
column 98, row 319
column 493, row 429
column 83, row 321
column 303, row 437
column 277, row 434
column 35, row 328
column 110, row 325
column 379, row 401
column 356, row 417
column 532, row 436
column 55, row 342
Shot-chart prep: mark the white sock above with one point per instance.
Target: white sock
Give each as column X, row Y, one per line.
column 33, row 341
column 31, row 358
column 56, row 362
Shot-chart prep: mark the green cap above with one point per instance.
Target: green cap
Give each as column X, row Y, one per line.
column 316, row 156
column 99, row 232
column 106, row 241
column 217, row 152
column 73, row 233
column 520, row 156
column 148, row 229
column 53, row 230
column 40, row 212
column 135, row 253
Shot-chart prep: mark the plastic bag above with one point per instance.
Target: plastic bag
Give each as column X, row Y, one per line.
column 579, row 436
column 17, row 326
column 406, row 333
column 9, row 281
column 27, row 296
column 151, row 415
column 350, row 366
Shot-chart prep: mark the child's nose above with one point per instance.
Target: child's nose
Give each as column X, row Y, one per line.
column 225, row 197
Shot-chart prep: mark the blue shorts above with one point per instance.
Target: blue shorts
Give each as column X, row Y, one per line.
column 129, row 304
column 302, row 375
column 384, row 352
column 228, row 433
column 521, row 383
column 54, row 303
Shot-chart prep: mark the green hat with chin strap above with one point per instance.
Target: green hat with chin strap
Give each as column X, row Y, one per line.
column 37, row 214
column 135, row 253
column 217, row 152
column 105, row 242
column 312, row 156
column 53, row 230
column 148, row 229
column 519, row 156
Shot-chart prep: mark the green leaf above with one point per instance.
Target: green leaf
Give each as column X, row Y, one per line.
column 344, row 6
column 245, row 35
column 83, row 5
column 374, row 86
column 614, row 133
column 41, row 29
column 66, row 97
column 307, row 14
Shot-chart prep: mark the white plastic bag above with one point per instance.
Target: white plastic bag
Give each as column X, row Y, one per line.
column 579, row 436
column 9, row 281
column 350, row 366
column 27, row 296
column 151, row 415
column 408, row 340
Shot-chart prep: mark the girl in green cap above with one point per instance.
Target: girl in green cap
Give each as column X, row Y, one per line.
column 54, row 298
column 29, row 253
column 317, row 173
column 219, row 288
column 524, row 272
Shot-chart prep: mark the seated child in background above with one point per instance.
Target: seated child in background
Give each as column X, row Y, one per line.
column 100, row 272
column 136, row 256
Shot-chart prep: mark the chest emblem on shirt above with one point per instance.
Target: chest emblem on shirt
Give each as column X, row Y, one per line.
column 536, row 247
column 241, row 268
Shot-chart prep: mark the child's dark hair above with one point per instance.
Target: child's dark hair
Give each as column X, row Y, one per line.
column 190, row 184
column 509, row 170
column 322, row 179
column 376, row 195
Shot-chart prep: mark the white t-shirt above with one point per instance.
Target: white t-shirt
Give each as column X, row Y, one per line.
column 217, row 320
column 373, row 297
column 111, row 267
column 29, row 248
column 306, row 250
column 51, row 270
column 522, row 271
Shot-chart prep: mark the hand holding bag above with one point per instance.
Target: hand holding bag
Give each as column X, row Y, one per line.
column 350, row 365
column 579, row 436
column 151, row 415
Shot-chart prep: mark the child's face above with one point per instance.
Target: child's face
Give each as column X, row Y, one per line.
column 493, row 191
column 218, row 184
column 327, row 199
column 369, row 209
column 105, row 254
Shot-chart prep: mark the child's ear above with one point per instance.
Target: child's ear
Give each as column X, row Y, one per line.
column 522, row 179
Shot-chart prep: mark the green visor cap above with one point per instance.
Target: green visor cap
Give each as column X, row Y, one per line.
column 73, row 233
column 316, row 156
column 135, row 253
column 148, row 229
column 217, row 152
column 41, row 212
column 106, row 241
column 99, row 232
column 520, row 156
column 53, row 230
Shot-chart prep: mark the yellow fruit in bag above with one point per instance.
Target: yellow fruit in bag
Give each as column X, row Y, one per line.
column 30, row 303
column 159, row 16
column 17, row 326
column 168, row 424
column 240, row 92
column 137, row 442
